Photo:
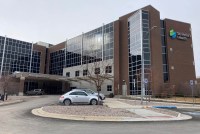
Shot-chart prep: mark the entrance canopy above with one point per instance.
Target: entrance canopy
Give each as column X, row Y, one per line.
column 39, row 76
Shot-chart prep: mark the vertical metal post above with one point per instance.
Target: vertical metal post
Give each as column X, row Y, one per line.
column 146, row 86
column 102, row 41
column 2, row 61
column 65, row 53
column 142, row 58
column 82, row 48
column 133, row 85
column 192, row 86
column 31, row 57
column 30, row 64
column 148, row 93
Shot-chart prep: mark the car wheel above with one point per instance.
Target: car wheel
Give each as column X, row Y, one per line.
column 67, row 102
column 93, row 102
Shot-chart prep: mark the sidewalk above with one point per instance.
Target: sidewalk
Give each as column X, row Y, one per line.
column 181, row 100
column 15, row 99
column 140, row 112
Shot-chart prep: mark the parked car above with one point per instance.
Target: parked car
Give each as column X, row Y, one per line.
column 35, row 92
column 78, row 97
column 89, row 91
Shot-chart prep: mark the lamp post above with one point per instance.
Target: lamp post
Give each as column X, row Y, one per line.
column 142, row 77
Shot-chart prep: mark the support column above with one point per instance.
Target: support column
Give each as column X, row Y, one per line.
column 21, row 86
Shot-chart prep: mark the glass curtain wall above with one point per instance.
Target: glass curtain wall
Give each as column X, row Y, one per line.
column 2, row 39
column 93, row 46
column 139, row 50
column 16, row 57
column 57, row 59
column 35, row 64
column 96, row 45
column 164, row 52
column 73, row 51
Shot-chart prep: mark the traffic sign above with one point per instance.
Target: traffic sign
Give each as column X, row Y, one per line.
column 191, row 82
column 146, row 80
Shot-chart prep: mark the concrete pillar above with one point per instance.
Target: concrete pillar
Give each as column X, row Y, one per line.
column 63, row 87
column 21, row 86
column 40, row 84
column 124, row 90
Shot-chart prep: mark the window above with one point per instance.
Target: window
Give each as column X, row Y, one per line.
column 97, row 70
column 67, row 74
column 108, row 69
column 85, row 72
column 81, row 93
column 77, row 73
column 109, row 87
column 73, row 93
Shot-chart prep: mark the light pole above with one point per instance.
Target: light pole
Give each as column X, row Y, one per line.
column 142, row 57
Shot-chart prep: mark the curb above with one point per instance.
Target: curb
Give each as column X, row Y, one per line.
column 41, row 113
column 168, row 101
column 12, row 102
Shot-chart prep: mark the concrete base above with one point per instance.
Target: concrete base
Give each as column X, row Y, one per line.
column 21, row 94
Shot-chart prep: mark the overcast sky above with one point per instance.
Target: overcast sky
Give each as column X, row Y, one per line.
column 53, row 21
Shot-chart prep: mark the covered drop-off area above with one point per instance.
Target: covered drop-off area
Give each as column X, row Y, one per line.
column 51, row 84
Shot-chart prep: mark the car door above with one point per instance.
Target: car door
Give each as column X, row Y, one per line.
column 74, row 97
column 82, row 97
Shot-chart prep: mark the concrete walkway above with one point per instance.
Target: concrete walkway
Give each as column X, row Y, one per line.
column 16, row 99
column 143, row 113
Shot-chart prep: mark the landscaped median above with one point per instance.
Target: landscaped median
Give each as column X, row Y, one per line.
column 110, row 111
column 86, row 113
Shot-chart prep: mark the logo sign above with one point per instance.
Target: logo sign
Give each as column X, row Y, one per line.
column 191, row 82
column 146, row 80
column 178, row 35
column 172, row 34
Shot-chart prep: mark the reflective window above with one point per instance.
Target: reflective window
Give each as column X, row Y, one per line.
column 77, row 73
column 138, row 32
column 91, row 46
column 108, row 69
column 67, row 74
column 85, row 72
column 57, row 60
column 164, row 52
column 17, row 55
column 73, row 51
column 35, row 64
column 109, row 87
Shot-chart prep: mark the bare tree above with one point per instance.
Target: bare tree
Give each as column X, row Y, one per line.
column 4, row 83
column 96, row 71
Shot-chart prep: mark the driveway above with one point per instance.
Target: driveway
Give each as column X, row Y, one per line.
column 17, row 119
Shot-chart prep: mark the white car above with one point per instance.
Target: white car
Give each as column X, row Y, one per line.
column 89, row 91
column 78, row 97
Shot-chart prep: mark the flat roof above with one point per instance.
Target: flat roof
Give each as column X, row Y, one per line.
column 39, row 76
